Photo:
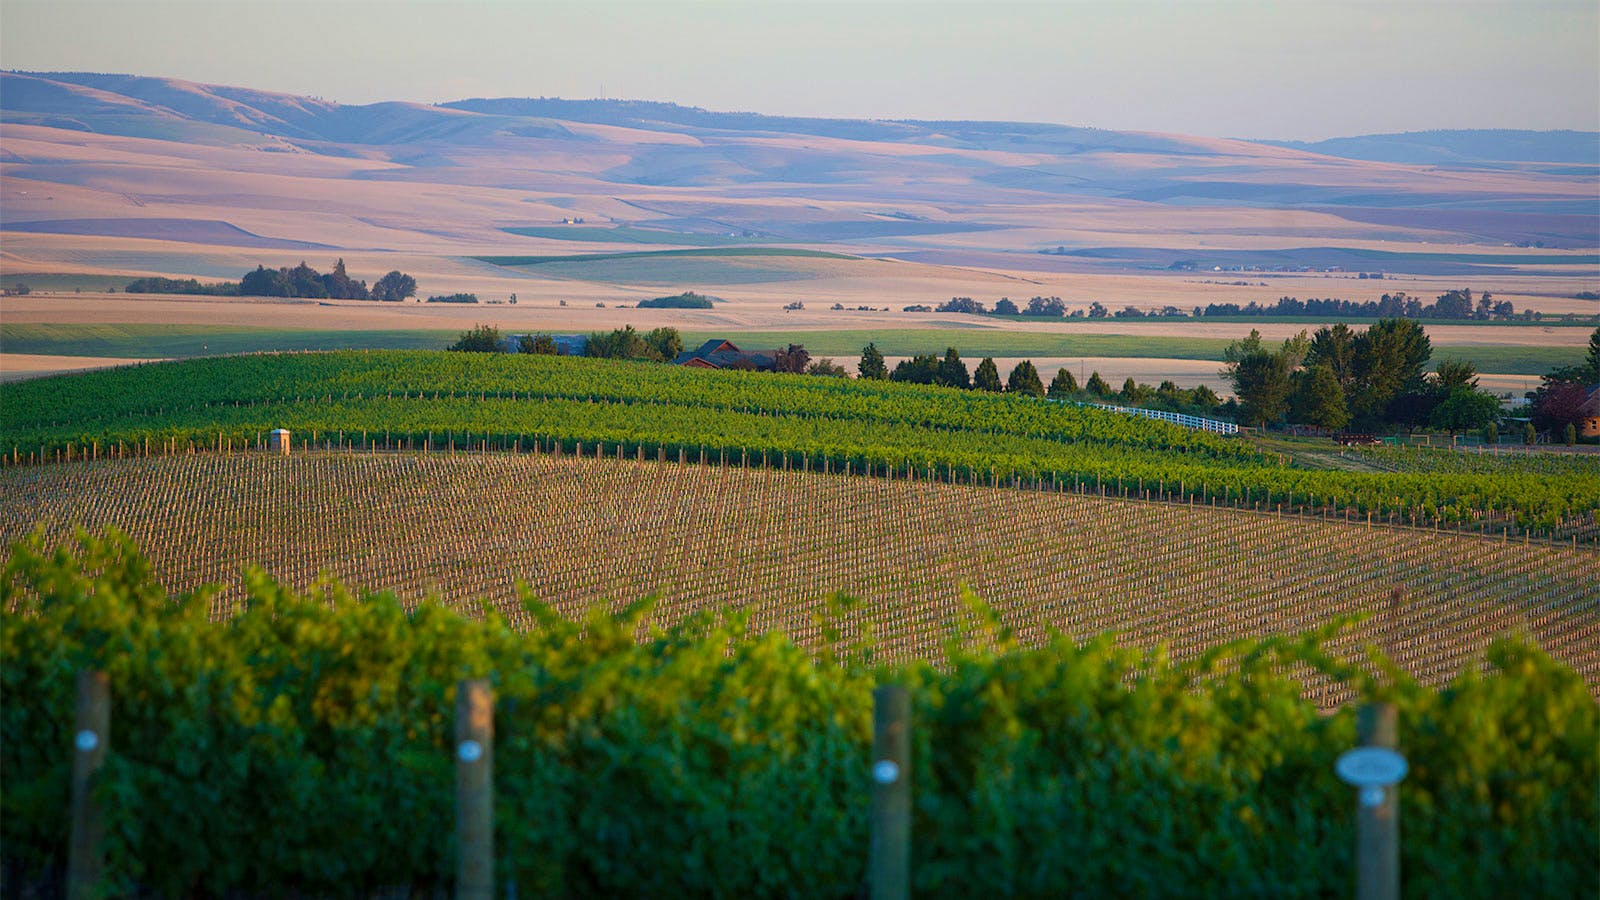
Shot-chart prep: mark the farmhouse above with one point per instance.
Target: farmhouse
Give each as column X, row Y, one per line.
column 1589, row 413
column 721, row 354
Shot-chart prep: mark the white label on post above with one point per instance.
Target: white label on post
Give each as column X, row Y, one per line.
column 885, row 771
column 1370, row 767
column 469, row 751
column 86, row 740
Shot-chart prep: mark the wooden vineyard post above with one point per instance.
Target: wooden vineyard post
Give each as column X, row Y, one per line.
column 474, row 791
column 1374, row 769
column 90, row 736
column 890, row 866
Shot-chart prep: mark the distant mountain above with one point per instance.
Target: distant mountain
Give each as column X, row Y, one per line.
column 1430, row 148
column 914, row 186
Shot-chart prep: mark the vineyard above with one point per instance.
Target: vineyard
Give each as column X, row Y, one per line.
column 577, row 531
column 392, row 400
column 303, row 748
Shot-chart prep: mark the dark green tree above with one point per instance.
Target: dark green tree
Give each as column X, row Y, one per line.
column 1097, row 385
column 1005, row 307
column 481, row 339
column 1024, row 379
column 396, row 285
column 1260, row 379
column 871, row 366
column 1389, row 360
column 920, row 369
column 1334, row 347
column 952, row 371
column 987, row 377
column 1063, row 385
column 827, row 368
column 1317, row 399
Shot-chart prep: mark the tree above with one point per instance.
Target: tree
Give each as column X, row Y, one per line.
column 1130, row 391
column 542, row 344
column 622, row 343
column 1530, row 435
column 1388, row 363
column 1451, row 374
column 1046, row 306
column 481, row 339
column 1334, row 347
column 1063, row 385
column 1592, row 361
column 952, row 371
column 987, row 378
column 827, row 368
column 1097, row 385
column 396, row 285
column 666, row 342
column 1206, row 397
column 1465, row 409
column 1317, row 399
column 1491, row 431
column 792, row 358
column 1004, row 307
column 1024, row 379
column 1097, row 310
column 1260, row 378
column 919, row 369
column 871, row 366
column 338, row 284
column 962, row 305
column 1570, row 434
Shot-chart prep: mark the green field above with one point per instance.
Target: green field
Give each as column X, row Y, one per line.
column 135, row 341
column 503, row 401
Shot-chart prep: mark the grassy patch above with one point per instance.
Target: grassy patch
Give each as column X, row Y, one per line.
column 138, row 341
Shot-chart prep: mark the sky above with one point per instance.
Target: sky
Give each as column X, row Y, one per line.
column 1288, row 69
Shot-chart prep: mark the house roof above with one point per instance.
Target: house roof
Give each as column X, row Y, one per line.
column 722, row 354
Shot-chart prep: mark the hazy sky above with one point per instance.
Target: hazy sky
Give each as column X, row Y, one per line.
column 1289, row 69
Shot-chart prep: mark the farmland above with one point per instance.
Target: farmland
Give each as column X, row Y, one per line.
column 579, row 531
column 706, row 759
column 399, row 399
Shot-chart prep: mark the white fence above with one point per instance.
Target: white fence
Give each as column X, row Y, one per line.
column 1212, row 425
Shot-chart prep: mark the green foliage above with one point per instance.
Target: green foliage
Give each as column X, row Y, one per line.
column 872, row 366
column 625, row 343
column 480, row 339
column 1063, row 385
column 538, row 343
column 886, row 426
column 303, row 745
column 395, row 285
column 1096, row 386
column 685, row 300
column 181, row 286
column 1465, row 409
column 1317, row 398
column 1024, row 379
column 952, row 372
column 987, row 378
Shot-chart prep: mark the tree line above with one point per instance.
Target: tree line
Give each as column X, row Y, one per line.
column 1024, row 379
column 1369, row 380
column 1459, row 304
column 298, row 281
